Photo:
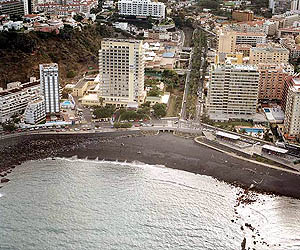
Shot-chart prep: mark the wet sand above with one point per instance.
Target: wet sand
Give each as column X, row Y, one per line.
column 164, row 149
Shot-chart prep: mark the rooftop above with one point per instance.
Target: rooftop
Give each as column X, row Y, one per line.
column 275, row 149
column 122, row 40
column 227, row 135
column 81, row 83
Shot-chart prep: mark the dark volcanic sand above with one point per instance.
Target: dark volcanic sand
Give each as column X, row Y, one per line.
column 164, row 149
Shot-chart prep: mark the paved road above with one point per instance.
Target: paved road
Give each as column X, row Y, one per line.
column 186, row 89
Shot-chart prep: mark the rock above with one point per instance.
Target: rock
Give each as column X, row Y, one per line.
column 4, row 180
column 243, row 245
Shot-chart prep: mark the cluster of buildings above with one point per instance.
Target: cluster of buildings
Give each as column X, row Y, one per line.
column 36, row 98
column 67, row 8
column 38, row 22
column 252, row 75
column 58, row 7
column 137, row 8
column 120, row 81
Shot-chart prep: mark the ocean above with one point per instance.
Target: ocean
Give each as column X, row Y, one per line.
column 84, row 204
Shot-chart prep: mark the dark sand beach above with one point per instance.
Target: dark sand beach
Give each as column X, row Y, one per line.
column 163, row 149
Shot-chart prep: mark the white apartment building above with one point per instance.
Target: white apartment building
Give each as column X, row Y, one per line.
column 295, row 5
column 50, row 88
column 269, row 53
column 35, row 112
column 121, row 67
column 292, row 110
column 232, row 92
column 141, row 8
column 16, row 97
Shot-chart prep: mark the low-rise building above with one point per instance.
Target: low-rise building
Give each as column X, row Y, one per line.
column 294, row 47
column 269, row 53
column 35, row 112
column 244, row 49
column 16, row 97
column 242, row 15
column 82, row 86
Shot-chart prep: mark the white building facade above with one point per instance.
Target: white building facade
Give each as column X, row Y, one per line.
column 292, row 110
column 232, row 92
column 142, row 8
column 35, row 112
column 121, row 67
column 50, row 88
column 295, row 5
column 15, row 99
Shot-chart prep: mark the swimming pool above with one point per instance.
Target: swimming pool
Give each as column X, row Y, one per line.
column 253, row 130
column 66, row 103
column 267, row 110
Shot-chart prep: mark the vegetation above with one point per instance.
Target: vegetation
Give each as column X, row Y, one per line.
column 197, row 74
column 128, row 115
column 151, row 82
column 73, row 50
column 78, row 18
column 208, row 4
column 71, row 74
column 104, row 112
column 122, row 125
column 170, row 78
column 9, row 126
column 65, row 93
column 155, row 91
column 160, row 110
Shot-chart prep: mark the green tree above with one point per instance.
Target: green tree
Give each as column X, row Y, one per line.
column 104, row 112
column 71, row 74
column 9, row 126
column 160, row 110
column 78, row 18
column 65, row 93
column 154, row 91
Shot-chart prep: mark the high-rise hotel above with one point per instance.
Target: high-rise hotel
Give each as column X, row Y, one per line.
column 50, row 88
column 121, row 67
column 232, row 92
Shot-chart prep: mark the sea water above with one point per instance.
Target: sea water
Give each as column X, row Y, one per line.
column 81, row 204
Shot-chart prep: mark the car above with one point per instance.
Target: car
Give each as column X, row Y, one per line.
column 76, row 129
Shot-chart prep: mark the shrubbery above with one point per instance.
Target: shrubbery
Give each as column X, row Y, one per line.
column 122, row 125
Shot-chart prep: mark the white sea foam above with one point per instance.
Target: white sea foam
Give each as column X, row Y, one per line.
column 116, row 162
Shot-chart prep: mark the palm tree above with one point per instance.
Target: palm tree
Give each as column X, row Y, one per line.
column 101, row 101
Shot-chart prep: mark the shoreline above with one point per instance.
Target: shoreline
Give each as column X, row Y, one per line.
column 163, row 149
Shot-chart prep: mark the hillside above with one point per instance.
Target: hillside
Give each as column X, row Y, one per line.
column 74, row 51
